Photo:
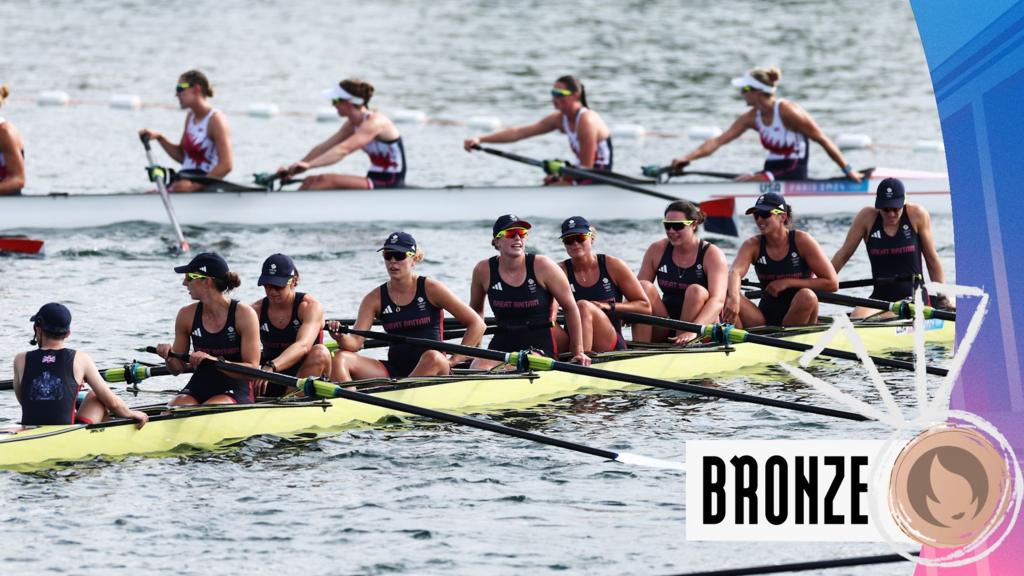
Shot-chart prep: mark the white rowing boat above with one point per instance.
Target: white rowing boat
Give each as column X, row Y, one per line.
column 457, row 203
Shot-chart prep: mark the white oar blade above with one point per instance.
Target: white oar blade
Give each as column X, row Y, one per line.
column 640, row 460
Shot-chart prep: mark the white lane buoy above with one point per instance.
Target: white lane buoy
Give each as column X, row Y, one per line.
column 327, row 115
column 929, row 146
column 125, row 102
column 263, row 110
column 627, row 131
column 853, row 141
column 53, row 98
column 408, row 116
column 702, row 132
column 484, row 122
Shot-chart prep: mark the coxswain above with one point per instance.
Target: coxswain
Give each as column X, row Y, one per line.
column 205, row 147
column 407, row 305
column 896, row 234
column 12, row 154
column 691, row 273
column 366, row 129
column 599, row 283
column 784, row 127
column 589, row 136
column 291, row 326
column 524, row 291
column 47, row 380
column 790, row 266
column 217, row 327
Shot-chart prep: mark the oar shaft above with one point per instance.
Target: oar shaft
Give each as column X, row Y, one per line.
column 904, row 309
column 182, row 243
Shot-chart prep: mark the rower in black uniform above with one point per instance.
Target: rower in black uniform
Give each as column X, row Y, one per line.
column 896, row 234
column 216, row 327
column 47, row 380
column 789, row 264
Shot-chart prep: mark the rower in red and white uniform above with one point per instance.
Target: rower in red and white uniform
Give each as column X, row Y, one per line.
column 524, row 291
column 896, row 234
column 47, row 380
column 12, row 162
column 216, row 327
column 598, row 282
column 691, row 273
column 205, row 147
column 790, row 266
column 291, row 327
column 784, row 127
column 589, row 136
column 365, row 129
column 409, row 305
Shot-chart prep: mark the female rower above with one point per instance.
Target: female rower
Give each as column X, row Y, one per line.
column 523, row 291
column 598, row 282
column 218, row 328
column 589, row 137
column 291, row 326
column 790, row 266
column 205, row 147
column 12, row 163
column 409, row 305
column 896, row 235
column 692, row 275
column 784, row 128
column 47, row 379
column 368, row 129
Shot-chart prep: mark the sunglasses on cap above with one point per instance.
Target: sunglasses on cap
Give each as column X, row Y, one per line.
column 396, row 255
column 676, row 225
column 190, row 276
column 579, row 238
column 767, row 213
column 746, row 89
column 181, row 87
column 513, row 233
column 337, row 101
column 561, row 92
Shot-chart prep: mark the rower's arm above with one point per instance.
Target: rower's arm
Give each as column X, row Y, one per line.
column 182, row 341
column 588, row 134
column 923, row 221
column 175, row 151
column 19, row 369
column 649, row 265
column 554, row 281
column 633, row 293
column 10, row 147
column 796, row 118
column 248, row 324
column 741, row 125
column 362, row 136
column 311, row 316
column 368, row 308
column 441, row 296
column 717, row 270
column 740, row 266
column 825, row 278
column 478, row 287
column 854, row 235
column 547, row 124
column 85, row 366
column 337, row 138
column 220, row 133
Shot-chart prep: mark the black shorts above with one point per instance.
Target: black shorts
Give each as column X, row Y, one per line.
column 516, row 339
column 209, row 382
column 379, row 180
column 784, row 170
column 775, row 308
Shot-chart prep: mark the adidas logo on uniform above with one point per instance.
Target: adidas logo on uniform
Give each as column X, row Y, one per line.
column 387, row 310
column 198, row 333
column 762, row 260
column 497, row 287
column 876, row 234
column 264, row 327
column 664, row 268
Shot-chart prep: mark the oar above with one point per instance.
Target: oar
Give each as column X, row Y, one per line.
column 666, row 172
column 454, row 324
column 714, row 223
column 844, row 284
column 803, row 566
column 723, row 333
column 218, row 184
column 156, row 174
column 132, row 373
column 902, row 308
column 266, row 180
column 536, row 362
column 312, row 386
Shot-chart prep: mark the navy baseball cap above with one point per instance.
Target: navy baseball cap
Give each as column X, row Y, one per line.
column 208, row 264
column 509, row 221
column 890, row 194
column 399, row 242
column 767, row 202
column 278, row 269
column 53, row 317
column 575, row 225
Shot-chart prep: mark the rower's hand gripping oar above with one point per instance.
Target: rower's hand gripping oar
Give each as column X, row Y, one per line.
column 156, row 174
column 719, row 211
column 901, row 308
column 726, row 333
column 325, row 389
column 525, row 360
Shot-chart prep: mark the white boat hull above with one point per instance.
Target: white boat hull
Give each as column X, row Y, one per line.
column 598, row 202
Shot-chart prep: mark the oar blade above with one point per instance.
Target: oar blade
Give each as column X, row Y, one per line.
column 647, row 461
column 719, row 216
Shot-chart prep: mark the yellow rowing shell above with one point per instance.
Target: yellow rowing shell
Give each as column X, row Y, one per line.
column 207, row 428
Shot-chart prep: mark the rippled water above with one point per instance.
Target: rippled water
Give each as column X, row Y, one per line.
column 427, row 498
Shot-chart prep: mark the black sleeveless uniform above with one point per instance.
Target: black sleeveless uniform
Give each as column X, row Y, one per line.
column 276, row 340
column 891, row 256
column 523, row 313
column 791, row 266
column 417, row 319
column 48, row 388
column 604, row 290
column 674, row 280
column 207, row 381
